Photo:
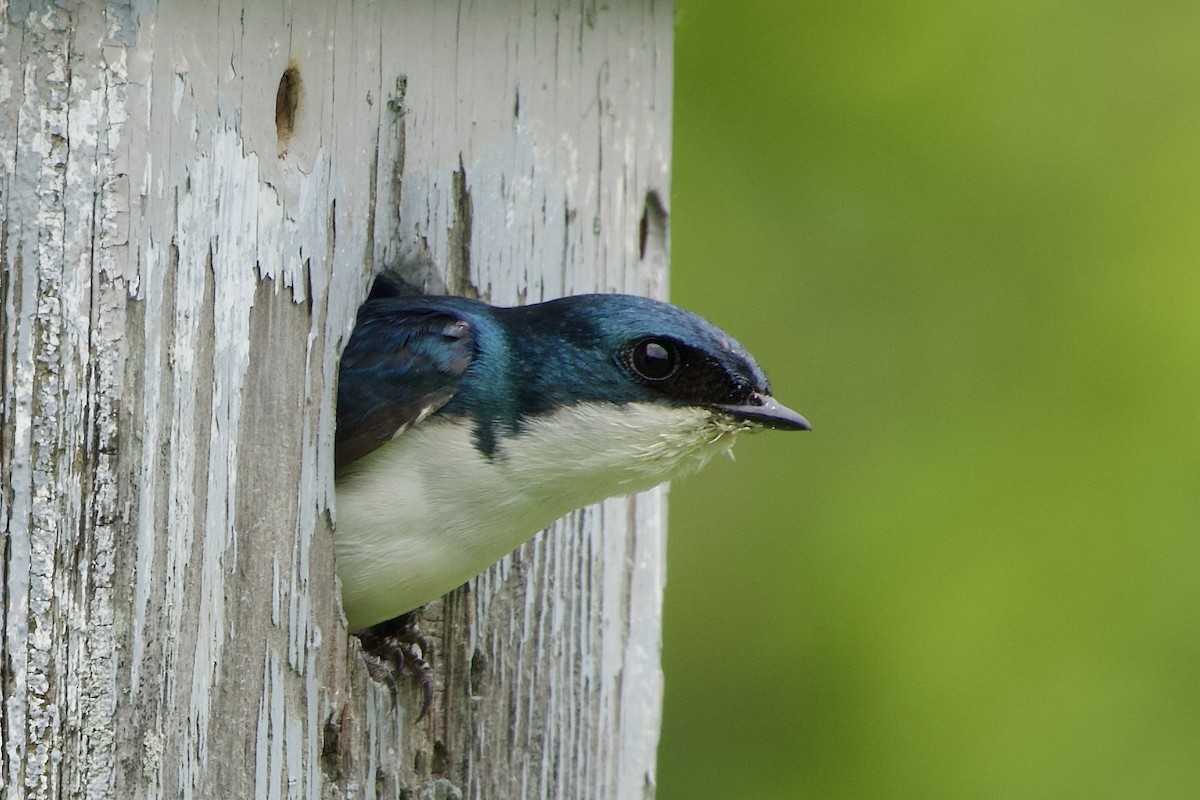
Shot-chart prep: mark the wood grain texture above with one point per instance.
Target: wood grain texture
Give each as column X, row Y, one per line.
column 184, row 246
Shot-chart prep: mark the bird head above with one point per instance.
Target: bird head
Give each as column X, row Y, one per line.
column 622, row 349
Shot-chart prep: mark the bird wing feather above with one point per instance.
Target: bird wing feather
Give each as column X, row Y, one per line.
column 401, row 365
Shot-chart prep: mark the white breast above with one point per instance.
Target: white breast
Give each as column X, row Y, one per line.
column 427, row 511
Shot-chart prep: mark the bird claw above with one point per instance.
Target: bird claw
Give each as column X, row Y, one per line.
column 396, row 649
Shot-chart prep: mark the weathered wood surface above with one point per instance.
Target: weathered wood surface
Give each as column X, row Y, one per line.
column 184, row 245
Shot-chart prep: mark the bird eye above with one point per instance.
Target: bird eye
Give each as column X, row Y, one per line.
column 654, row 360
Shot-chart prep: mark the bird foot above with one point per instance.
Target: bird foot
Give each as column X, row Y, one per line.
column 397, row 649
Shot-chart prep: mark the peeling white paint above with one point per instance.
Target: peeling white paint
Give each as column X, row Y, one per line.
column 176, row 289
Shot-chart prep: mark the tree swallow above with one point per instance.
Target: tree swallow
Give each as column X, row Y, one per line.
column 464, row 428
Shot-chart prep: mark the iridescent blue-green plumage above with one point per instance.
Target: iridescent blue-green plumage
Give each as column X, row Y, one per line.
column 412, row 356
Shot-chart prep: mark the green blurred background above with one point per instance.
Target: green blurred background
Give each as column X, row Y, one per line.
column 964, row 240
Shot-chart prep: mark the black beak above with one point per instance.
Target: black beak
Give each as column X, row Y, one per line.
column 764, row 410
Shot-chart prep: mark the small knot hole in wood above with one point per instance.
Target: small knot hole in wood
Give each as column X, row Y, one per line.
column 287, row 100
column 652, row 232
